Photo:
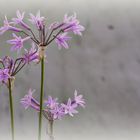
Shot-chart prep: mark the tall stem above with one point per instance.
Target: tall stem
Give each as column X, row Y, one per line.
column 41, row 98
column 50, row 130
column 11, row 109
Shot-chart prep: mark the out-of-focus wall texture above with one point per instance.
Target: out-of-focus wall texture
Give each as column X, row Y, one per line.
column 103, row 64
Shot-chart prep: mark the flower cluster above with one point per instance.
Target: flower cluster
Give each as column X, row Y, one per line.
column 57, row 32
column 22, row 33
column 10, row 67
column 52, row 108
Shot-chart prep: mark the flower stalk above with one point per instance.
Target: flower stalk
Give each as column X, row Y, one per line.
column 50, row 130
column 41, row 97
column 11, row 108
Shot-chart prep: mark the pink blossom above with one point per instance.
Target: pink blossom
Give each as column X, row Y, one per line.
column 19, row 20
column 8, row 26
column 61, row 40
column 29, row 101
column 37, row 20
column 72, row 24
column 17, row 42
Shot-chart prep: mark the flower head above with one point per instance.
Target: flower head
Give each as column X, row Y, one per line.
column 72, row 24
column 37, row 20
column 52, row 108
column 8, row 26
column 61, row 40
column 29, row 101
column 17, row 42
column 19, row 20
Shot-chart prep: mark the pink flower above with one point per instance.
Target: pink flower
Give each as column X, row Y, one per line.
column 70, row 108
column 8, row 26
column 57, row 112
column 37, row 20
column 4, row 75
column 17, row 42
column 29, row 101
column 72, row 24
column 51, row 103
column 61, row 40
column 78, row 99
column 31, row 55
column 19, row 20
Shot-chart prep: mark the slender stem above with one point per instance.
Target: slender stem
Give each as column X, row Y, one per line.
column 54, row 29
column 34, row 36
column 18, row 69
column 49, row 41
column 41, row 98
column 34, row 39
column 15, row 63
column 15, row 69
column 50, row 130
column 49, row 36
column 11, row 109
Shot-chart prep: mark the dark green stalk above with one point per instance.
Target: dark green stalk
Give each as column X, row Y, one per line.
column 11, row 109
column 41, row 97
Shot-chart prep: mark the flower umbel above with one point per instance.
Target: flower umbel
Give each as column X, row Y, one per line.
column 57, row 31
column 52, row 108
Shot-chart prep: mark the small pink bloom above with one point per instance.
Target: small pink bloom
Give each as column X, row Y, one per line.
column 8, row 26
column 17, row 42
column 61, row 40
column 19, row 20
column 78, row 99
column 37, row 20
column 70, row 108
column 31, row 55
column 29, row 101
column 72, row 24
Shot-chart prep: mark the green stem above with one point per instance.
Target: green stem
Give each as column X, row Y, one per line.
column 50, row 130
column 11, row 109
column 41, row 98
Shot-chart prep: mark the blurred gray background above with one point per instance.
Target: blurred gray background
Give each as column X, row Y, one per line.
column 103, row 65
